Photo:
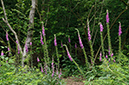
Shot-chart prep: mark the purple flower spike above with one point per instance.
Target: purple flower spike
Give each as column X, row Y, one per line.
column 16, row 41
column 61, row 45
column 101, row 27
column 26, row 47
column 100, row 58
column 41, row 69
column 69, row 39
column 43, row 30
column 52, row 67
column 2, row 53
column 38, row 59
column 60, row 74
column 30, row 43
column 107, row 17
column 0, row 65
column 120, row 30
column 7, row 36
column 41, row 39
column 89, row 36
column 112, row 55
column 8, row 49
column 18, row 50
column 55, row 43
column 69, row 55
column 106, row 56
column 75, row 45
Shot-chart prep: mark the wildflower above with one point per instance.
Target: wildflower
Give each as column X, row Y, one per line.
column 45, row 68
column 52, row 67
column 107, row 17
column 69, row 55
column 100, row 58
column 26, row 47
column 41, row 39
column 7, row 36
column 38, row 59
column 89, row 36
column 55, row 43
column 69, row 39
column 41, row 69
column 61, row 45
column 2, row 53
column 8, row 49
column 43, row 30
column 18, row 50
column 16, row 41
column 112, row 55
column 101, row 27
column 60, row 74
column 106, row 56
column 30, row 43
column 120, row 31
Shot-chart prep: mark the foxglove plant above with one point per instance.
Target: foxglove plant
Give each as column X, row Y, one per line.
column 55, row 43
column 69, row 43
column 41, row 69
column 71, row 59
column 45, row 45
column 9, row 47
column 108, row 32
column 106, row 57
column 41, row 39
column 26, row 47
column 60, row 74
column 82, row 47
column 38, row 59
column 52, row 67
column 31, row 54
column 90, row 42
column 2, row 53
column 120, row 32
column 100, row 57
column 101, row 35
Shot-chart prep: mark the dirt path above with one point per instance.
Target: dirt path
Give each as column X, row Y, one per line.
column 73, row 81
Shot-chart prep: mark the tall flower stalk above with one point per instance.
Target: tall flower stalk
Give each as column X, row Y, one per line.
column 45, row 45
column 69, row 43
column 55, row 43
column 52, row 67
column 108, row 32
column 101, row 35
column 120, row 32
column 31, row 54
column 71, row 59
column 90, row 42
column 9, row 47
column 82, row 47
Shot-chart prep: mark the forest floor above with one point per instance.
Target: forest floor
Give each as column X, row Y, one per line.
column 73, row 81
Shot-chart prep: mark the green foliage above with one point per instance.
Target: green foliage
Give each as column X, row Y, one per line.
column 9, row 74
column 110, row 73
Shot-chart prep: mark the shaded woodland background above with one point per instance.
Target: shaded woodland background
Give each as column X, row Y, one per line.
column 61, row 17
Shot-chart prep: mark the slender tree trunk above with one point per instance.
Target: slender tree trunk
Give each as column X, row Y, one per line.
column 30, row 30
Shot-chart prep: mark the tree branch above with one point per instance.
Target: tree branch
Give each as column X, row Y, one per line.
column 6, row 21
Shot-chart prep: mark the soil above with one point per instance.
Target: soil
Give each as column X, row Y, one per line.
column 73, row 81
